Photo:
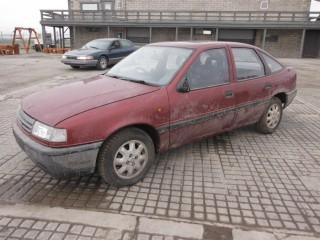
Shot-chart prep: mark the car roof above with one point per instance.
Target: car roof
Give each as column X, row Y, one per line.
column 201, row 44
column 108, row 39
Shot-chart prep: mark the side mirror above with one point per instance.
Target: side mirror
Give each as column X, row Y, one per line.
column 112, row 47
column 183, row 86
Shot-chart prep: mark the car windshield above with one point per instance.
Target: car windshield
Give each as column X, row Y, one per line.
column 153, row 65
column 97, row 44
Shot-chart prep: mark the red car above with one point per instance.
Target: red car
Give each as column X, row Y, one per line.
column 162, row 96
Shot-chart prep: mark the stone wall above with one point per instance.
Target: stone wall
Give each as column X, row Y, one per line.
column 86, row 34
column 287, row 45
column 280, row 43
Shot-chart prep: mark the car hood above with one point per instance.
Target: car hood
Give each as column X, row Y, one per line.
column 82, row 52
column 57, row 104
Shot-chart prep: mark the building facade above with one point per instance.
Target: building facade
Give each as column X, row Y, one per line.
column 284, row 28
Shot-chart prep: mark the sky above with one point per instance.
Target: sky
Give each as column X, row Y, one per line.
column 26, row 13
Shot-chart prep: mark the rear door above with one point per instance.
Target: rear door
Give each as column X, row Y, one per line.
column 208, row 107
column 254, row 87
column 127, row 47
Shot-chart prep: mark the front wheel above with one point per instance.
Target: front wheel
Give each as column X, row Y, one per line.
column 102, row 63
column 271, row 119
column 126, row 157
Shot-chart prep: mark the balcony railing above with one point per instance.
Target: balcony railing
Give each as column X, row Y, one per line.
column 74, row 17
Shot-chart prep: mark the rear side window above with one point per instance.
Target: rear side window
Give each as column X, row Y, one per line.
column 210, row 69
column 126, row 44
column 248, row 64
column 273, row 65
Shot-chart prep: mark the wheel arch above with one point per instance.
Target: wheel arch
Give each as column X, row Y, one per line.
column 147, row 128
column 282, row 96
column 103, row 55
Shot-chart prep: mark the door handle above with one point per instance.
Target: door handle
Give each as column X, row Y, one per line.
column 229, row 94
column 268, row 86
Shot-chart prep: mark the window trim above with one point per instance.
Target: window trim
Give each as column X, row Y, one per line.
column 211, row 86
column 89, row 3
column 261, row 53
column 259, row 57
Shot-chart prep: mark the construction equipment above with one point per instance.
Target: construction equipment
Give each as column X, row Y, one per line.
column 19, row 36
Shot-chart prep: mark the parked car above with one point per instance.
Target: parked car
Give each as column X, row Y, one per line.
column 162, row 96
column 99, row 53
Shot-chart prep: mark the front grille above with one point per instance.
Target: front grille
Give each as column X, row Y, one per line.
column 71, row 57
column 25, row 121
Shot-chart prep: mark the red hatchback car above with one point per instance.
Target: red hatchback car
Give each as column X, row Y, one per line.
column 162, row 96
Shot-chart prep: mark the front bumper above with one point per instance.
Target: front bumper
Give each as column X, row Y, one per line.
column 84, row 63
column 59, row 162
column 290, row 96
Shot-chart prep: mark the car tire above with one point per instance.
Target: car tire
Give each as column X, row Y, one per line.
column 271, row 119
column 103, row 63
column 126, row 157
column 75, row 67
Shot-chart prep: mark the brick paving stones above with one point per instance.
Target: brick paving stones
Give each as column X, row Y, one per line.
column 240, row 178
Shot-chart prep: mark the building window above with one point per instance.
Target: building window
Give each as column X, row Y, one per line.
column 264, row 4
column 272, row 38
column 200, row 31
column 89, row 6
column 207, row 32
column 119, row 4
column 107, row 5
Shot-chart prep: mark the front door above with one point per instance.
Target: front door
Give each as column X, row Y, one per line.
column 115, row 52
column 208, row 107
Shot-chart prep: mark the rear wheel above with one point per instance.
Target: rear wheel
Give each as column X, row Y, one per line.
column 102, row 63
column 126, row 157
column 271, row 119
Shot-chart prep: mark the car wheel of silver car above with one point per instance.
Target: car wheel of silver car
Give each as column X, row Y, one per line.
column 102, row 63
column 271, row 119
column 126, row 157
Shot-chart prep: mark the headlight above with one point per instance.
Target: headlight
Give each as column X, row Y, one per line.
column 64, row 57
column 85, row 58
column 48, row 133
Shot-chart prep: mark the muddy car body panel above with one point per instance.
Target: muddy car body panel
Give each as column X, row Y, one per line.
column 172, row 114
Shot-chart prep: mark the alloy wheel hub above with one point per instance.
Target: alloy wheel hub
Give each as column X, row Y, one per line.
column 130, row 159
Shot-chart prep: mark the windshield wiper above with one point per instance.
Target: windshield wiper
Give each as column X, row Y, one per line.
column 131, row 80
column 113, row 76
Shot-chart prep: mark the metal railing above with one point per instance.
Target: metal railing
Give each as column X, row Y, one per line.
column 74, row 16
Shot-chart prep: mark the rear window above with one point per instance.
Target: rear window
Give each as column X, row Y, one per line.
column 273, row 65
column 248, row 64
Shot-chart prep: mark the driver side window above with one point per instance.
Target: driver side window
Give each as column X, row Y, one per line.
column 210, row 69
column 115, row 45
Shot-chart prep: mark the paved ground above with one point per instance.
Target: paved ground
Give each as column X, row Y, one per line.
column 239, row 185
